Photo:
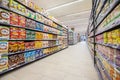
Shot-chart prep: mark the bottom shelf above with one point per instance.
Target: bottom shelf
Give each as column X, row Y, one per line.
column 23, row 64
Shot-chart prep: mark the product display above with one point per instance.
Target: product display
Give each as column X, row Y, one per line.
column 104, row 39
column 4, row 16
column 3, row 63
column 27, row 34
column 4, row 33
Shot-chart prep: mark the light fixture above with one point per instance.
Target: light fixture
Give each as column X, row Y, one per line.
column 75, row 20
column 80, row 13
column 67, row 4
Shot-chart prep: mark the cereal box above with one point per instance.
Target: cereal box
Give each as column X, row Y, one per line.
column 13, row 46
column 4, row 33
column 22, row 33
column 4, row 3
column 14, row 33
column 4, row 16
column 3, row 63
column 3, row 47
column 21, row 21
column 13, row 19
column 21, row 46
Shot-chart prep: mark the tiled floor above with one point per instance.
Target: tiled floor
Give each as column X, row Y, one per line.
column 74, row 63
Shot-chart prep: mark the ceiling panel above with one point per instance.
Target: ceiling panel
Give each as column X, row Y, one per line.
column 47, row 4
column 71, row 9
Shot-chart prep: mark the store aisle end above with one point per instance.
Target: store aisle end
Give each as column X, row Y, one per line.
column 73, row 63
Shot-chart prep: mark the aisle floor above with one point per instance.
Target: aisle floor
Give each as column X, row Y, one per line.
column 73, row 63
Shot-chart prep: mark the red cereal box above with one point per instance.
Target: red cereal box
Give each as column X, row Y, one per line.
column 22, row 33
column 13, row 19
column 14, row 34
column 21, row 21
column 32, row 45
column 27, row 45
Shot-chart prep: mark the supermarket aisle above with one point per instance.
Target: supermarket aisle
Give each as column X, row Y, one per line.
column 74, row 63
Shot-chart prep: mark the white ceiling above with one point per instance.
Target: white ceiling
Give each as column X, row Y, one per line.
column 74, row 15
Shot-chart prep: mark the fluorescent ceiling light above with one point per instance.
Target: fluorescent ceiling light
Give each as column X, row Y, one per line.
column 80, row 13
column 75, row 20
column 67, row 4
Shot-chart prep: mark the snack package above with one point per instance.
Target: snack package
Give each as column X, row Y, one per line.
column 4, row 3
column 30, row 24
column 37, row 53
column 13, row 46
column 21, row 46
column 3, row 47
column 33, row 35
column 3, row 63
column 28, row 34
column 14, row 33
column 13, row 60
column 21, row 21
column 22, row 33
column 27, row 46
column 4, row 16
column 33, row 25
column 38, row 44
column 21, row 58
column 30, row 14
column 22, row 9
column 4, row 33
column 39, row 36
column 39, row 26
column 38, row 17
column 13, row 5
column 32, row 45
column 30, row 4
column 117, row 59
column 13, row 18
column 32, row 55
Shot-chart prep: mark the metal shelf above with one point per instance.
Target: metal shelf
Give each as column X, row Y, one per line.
column 27, row 17
column 28, row 40
column 109, row 45
column 29, row 50
column 21, row 65
column 39, row 13
column 28, row 28
column 112, row 6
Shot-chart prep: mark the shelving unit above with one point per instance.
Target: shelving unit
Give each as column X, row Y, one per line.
column 104, row 38
column 23, row 43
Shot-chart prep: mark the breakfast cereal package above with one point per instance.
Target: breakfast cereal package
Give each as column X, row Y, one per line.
column 28, row 34
column 21, row 21
column 12, row 60
column 21, row 58
column 3, row 47
column 21, row 45
column 22, row 33
column 27, row 46
column 22, row 9
column 13, row 5
column 33, row 35
column 3, row 63
column 4, row 16
column 13, row 46
column 13, row 19
column 14, row 33
column 4, row 3
column 4, row 32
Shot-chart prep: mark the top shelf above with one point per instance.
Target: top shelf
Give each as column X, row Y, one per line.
column 39, row 13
